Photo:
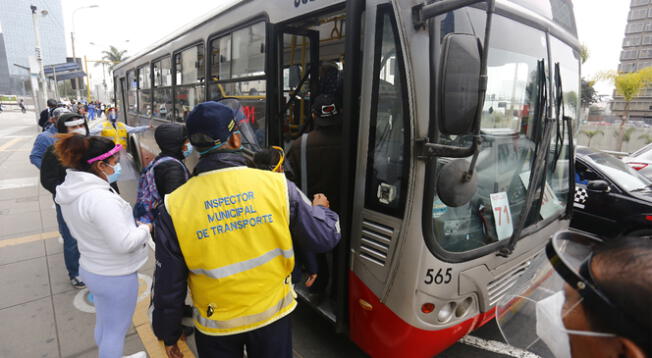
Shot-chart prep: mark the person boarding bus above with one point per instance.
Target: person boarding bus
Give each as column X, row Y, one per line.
column 228, row 234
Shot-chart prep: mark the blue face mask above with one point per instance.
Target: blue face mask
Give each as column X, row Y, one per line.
column 188, row 151
column 113, row 116
column 117, row 170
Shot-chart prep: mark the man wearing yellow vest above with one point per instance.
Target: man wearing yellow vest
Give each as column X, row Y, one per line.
column 228, row 234
column 115, row 130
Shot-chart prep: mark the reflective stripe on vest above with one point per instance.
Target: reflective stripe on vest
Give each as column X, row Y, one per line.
column 118, row 134
column 233, row 231
column 286, row 305
column 242, row 266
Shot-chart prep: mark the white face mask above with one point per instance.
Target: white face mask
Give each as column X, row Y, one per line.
column 550, row 326
column 81, row 131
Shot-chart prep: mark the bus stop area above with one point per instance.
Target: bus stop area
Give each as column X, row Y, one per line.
column 44, row 316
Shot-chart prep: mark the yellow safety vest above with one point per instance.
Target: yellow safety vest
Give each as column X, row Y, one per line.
column 233, row 230
column 118, row 135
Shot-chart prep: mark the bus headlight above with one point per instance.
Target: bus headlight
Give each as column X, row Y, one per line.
column 464, row 307
column 446, row 312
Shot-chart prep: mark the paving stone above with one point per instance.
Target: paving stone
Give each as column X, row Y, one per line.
column 16, row 224
column 59, row 280
column 53, row 246
column 23, row 281
column 15, row 253
column 19, row 335
column 76, row 328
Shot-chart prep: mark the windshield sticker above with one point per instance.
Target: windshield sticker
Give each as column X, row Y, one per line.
column 438, row 208
column 551, row 204
column 502, row 215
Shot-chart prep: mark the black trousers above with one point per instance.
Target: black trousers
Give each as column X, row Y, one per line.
column 271, row 341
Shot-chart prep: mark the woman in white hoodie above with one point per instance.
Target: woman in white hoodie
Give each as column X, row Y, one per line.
column 111, row 244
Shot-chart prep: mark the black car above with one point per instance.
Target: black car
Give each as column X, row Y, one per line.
column 611, row 199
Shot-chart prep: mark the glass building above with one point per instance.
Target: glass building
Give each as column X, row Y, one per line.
column 17, row 41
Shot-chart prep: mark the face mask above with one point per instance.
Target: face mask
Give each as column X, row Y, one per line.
column 113, row 117
column 550, row 326
column 117, row 170
column 188, row 151
column 81, row 131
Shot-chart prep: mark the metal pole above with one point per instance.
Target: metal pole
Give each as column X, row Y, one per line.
column 74, row 57
column 56, row 83
column 88, row 81
column 39, row 59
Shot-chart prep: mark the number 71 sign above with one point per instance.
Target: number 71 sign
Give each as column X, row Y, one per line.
column 502, row 215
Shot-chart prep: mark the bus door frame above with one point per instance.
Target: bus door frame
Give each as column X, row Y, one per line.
column 313, row 39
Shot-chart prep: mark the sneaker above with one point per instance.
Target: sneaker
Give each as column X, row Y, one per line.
column 77, row 283
column 140, row 354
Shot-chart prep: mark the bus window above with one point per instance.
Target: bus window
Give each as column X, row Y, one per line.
column 162, row 108
column 189, row 84
column 132, row 91
column 510, row 131
column 388, row 154
column 144, row 91
column 559, row 153
column 237, row 69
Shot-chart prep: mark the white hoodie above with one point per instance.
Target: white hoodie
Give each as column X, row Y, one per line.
column 109, row 241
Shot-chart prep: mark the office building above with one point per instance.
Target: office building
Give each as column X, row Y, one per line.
column 17, row 41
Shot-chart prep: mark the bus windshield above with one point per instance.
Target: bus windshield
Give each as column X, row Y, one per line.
column 511, row 131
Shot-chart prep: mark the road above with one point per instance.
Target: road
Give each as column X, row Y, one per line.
column 34, row 283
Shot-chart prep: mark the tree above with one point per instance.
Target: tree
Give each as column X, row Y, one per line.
column 629, row 86
column 589, row 95
column 646, row 137
column 627, row 136
column 114, row 56
column 584, row 53
column 590, row 134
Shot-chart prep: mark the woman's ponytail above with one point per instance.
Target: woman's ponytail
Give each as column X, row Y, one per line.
column 70, row 149
column 74, row 150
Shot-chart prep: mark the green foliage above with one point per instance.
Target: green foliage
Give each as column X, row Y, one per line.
column 584, row 53
column 113, row 56
column 646, row 137
column 589, row 95
column 590, row 134
column 627, row 134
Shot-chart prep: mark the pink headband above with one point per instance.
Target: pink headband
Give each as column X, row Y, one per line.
column 108, row 154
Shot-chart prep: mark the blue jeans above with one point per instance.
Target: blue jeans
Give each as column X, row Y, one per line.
column 70, row 251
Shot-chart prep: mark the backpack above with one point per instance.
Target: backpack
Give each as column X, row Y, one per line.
column 148, row 199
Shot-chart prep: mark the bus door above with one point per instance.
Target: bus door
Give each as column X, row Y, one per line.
column 382, row 174
column 121, row 99
column 299, row 64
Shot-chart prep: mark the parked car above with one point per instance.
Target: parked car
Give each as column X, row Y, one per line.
column 641, row 160
column 611, row 198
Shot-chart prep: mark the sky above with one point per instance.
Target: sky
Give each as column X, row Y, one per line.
column 601, row 27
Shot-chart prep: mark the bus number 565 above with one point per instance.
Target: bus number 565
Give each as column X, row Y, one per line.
column 440, row 277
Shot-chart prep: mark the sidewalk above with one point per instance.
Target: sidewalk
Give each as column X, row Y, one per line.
column 42, row 315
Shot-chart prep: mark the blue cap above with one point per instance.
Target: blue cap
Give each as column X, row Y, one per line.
column 212, row 119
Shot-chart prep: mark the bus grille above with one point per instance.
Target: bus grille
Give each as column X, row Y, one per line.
column 497, row 288
column 375, row 241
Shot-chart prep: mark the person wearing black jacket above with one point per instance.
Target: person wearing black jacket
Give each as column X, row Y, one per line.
column 173, row 141
column 53, row 173
column 45, row 114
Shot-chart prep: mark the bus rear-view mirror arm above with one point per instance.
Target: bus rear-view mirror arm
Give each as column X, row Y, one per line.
column 462, row 90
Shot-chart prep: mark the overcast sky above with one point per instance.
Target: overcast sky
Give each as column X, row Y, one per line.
column 601, row 26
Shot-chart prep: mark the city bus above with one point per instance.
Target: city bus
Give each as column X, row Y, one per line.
column 457, row 149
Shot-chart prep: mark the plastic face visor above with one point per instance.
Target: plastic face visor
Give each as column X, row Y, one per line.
column 539, row 306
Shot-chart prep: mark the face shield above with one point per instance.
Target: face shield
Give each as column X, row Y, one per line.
column 247, row 133
column 538, row 312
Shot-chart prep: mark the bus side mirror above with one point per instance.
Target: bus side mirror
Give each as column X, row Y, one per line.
column 294, row 76
column 460, row 81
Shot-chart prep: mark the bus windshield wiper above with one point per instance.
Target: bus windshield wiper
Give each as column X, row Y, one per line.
column 539, row 163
